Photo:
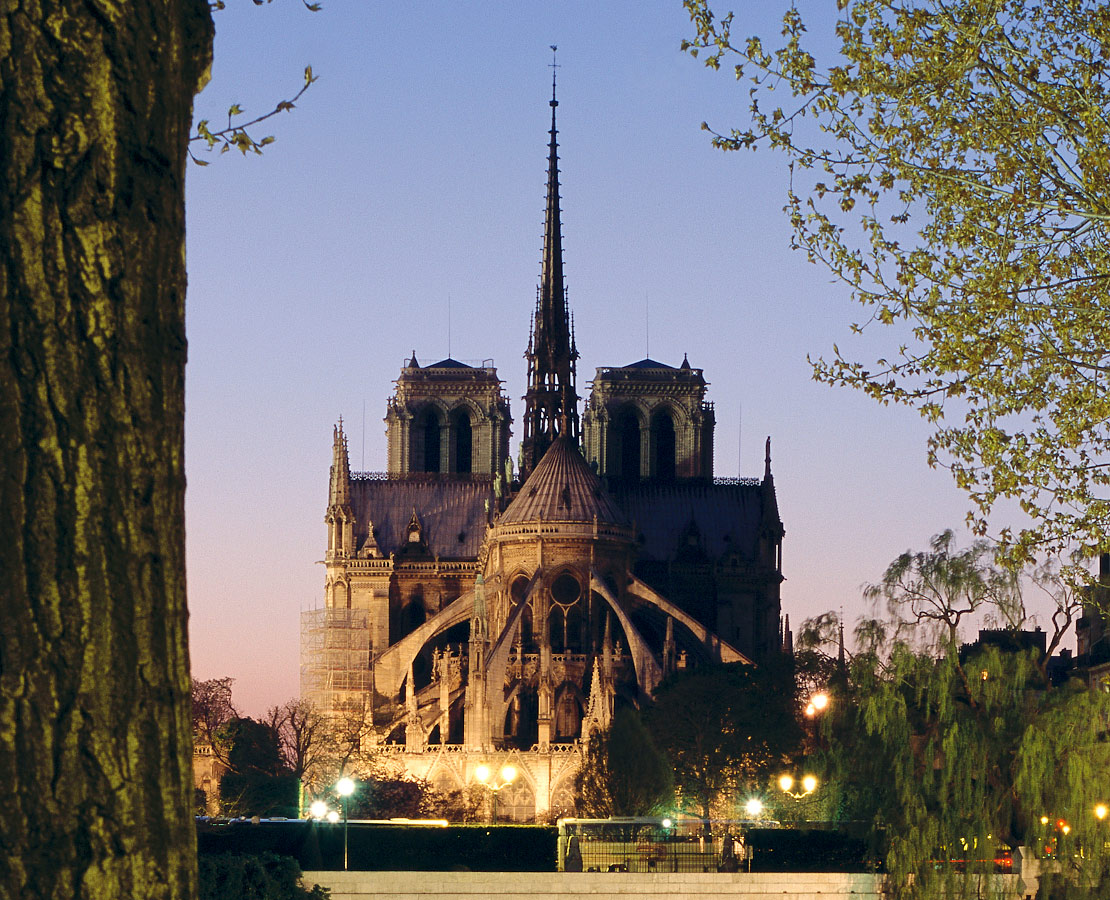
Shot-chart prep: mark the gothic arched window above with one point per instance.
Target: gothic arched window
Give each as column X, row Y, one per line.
column 663, row 445
column 463, row 440
column 626, row 446
column 430, row 426
column 568, row 717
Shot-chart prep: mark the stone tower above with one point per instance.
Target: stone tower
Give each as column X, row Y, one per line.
column 551, row 404
column 649, row 421
column 448, row 417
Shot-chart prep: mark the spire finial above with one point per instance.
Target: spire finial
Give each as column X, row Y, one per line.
column 767, row 460
column 554, row 67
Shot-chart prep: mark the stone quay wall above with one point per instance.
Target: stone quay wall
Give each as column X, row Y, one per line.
column 597, row 885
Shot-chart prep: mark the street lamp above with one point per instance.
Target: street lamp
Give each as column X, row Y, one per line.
column 754, row 807
column 786, row 785
column 507, row 775
column 344, row 788
column 318, row 809
column 817, row 703
column 1101, row 810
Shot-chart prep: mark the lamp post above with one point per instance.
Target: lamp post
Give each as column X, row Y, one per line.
column 345, row 787
column 786, row 785
column 507, row 775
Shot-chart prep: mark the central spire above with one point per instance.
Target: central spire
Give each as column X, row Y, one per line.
column 551, row 404
column 553, row 302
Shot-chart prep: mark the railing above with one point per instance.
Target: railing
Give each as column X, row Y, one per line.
column 482, row 477
column 473, row 363
column 565, row 529
column 400, row 749
column 743, row 482
column 650, row 845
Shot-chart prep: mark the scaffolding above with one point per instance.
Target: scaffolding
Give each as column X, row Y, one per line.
column 335, row 658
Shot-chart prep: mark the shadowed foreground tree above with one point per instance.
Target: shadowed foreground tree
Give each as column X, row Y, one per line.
column 258, row 782
column 724, row 727
column 951, row 165
column 95, row 738
column 623, row 773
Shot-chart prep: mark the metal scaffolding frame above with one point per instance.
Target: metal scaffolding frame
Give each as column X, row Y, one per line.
column 335, row 658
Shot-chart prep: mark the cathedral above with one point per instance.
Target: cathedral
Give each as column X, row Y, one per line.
column 476, row 612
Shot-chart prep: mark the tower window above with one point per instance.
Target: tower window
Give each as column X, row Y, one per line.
column 464, row 442
column 663, row 443
column 626, row 446
column 430, row 427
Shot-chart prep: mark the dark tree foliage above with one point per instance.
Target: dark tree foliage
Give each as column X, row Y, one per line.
column 266, row 876
column 724, row 727
column 387, row 799
column 259, row 783
column 407, row 798
column 624, row 774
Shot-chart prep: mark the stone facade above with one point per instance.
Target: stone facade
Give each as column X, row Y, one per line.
column 207, row 772
column 649, row 420
column 448, row 417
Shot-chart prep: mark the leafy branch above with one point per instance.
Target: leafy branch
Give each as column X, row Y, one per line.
column 236, row 134
column 221, row 4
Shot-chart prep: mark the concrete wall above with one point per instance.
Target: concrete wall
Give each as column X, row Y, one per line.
column 595, row 885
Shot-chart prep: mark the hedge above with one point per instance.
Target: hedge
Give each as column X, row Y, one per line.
column 318, row 846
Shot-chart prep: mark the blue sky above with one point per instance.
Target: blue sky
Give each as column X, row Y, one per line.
column 412, row 175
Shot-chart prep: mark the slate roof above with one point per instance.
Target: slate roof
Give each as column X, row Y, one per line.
column 647, row 364
column 562, row 488
column 449, row 363
column 447, row 508
column 727, row 516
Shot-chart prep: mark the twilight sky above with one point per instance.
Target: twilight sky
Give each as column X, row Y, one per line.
column 411, row 178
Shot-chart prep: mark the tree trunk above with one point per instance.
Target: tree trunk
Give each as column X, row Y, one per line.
column 95, row 742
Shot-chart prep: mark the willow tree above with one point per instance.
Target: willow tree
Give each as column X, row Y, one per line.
column 957, row 752
column 951, row 165
column 95, row 109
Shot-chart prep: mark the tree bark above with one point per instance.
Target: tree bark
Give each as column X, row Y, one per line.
column 95, row 742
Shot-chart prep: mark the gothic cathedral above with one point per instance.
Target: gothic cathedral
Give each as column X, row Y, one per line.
column 476, row 612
